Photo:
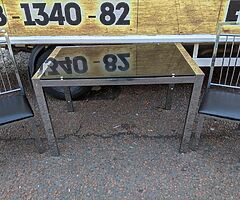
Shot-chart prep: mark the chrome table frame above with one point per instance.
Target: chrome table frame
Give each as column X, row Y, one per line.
column 196, row 80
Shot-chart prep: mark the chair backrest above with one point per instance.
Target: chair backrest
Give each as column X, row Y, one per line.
column 225, row 66
column 10, row 81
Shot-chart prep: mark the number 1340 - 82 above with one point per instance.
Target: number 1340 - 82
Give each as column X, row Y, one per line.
column 71, row 13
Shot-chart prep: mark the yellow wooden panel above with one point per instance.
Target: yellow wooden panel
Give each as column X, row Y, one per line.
column 157, row 17
column 230, row 29
column 223, row 10
column 3, row 18
column 180, row 16
column 88, row 26
column 198, row 16
column 147, row 17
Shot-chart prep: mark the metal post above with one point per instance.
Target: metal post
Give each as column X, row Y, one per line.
column 68, row 98
column 191, row 113
column 168, row 104
column 195, row 51
column 43, row 108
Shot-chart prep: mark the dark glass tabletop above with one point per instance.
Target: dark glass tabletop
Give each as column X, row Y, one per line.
column 108, row 61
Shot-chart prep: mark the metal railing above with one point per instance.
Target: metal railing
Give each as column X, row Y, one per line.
column 225, row 72
column 9, row 76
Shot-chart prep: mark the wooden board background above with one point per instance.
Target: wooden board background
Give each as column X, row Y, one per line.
column 148, row 17
column 6, row 26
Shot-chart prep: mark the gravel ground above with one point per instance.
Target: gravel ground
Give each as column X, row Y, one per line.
column 120, row 144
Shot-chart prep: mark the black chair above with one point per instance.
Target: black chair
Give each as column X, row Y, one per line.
column 222, row 97
column 14, row 105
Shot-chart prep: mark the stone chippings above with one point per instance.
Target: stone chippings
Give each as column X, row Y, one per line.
column 120, row 147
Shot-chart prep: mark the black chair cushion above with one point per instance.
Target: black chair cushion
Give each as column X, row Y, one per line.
column 221, row 103
column 14, row 108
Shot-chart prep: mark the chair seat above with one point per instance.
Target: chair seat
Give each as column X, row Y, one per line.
column 14, row 108
column 220, row 103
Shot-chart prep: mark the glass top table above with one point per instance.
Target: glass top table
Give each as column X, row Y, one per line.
column 141, row 60
column 130, row 64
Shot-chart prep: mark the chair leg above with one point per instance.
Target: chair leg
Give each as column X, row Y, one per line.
column 198, row 132
column 37, row 140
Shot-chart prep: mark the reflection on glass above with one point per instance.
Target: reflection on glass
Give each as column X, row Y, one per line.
column 143, row 60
